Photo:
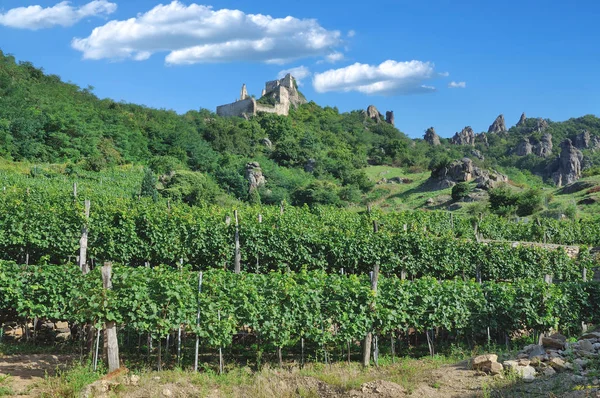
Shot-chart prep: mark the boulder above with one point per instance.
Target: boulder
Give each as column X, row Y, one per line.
column 524, row 147
column 373, row 114
column 586, row 345
column 558, row 364
column 431, row 137
column 465, row 137
column 254, row 176
column 487, row 363
column 590, row 335
column 389, row 117
column 568, row 167
column 554, row 341
column 549, row 372
column 498, row 126
column 266, row 142
column 527, row 373
column 576, row 187
column 522, row 120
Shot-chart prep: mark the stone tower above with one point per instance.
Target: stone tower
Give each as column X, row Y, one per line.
column 244, row 94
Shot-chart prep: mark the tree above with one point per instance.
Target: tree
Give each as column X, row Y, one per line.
column 460, row 190
column 149, row 185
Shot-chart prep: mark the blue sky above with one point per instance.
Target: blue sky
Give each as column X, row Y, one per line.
column 538, row 57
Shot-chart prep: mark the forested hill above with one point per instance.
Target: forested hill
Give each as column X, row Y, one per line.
column 316, row 155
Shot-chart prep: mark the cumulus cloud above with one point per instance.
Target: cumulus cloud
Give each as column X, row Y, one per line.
column 61, row 14
column 199, row 34
column 351, row 33
column 457, row 85
column 299, row 73
column 334, row 57
column 388, row 78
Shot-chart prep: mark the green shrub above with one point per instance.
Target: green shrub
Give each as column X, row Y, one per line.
column 460, row 190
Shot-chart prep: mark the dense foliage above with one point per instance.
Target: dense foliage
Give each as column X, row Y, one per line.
column 281, row 308
column 41, row 226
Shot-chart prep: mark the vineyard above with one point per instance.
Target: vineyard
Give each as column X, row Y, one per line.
column 304, row 284
column 281, row 310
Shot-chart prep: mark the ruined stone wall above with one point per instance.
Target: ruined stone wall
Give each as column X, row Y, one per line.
column 238, row 108
column 279, row 109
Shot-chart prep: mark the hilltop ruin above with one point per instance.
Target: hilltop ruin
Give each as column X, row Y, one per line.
column 277, row 97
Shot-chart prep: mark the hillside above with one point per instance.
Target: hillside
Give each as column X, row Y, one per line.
column 313, row 156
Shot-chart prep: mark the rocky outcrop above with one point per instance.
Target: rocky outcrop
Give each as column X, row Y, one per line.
column 373, row 114
column 524, row 147
column 585, row 140
column 522, row 120
column 266, row 142
column 254, row 176
column 544, row 147
column 477, row 154
column 498, row 126
column 464, row 170
column 431, row 137
column 465, row 137
column 481, row 138
column 389, row 117
column 541, row 125
column 487, row 363
column 582, row 140
column 568, row 165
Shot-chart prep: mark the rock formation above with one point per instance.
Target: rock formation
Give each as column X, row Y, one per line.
column 373, row 114
column 481, row 138
column 431, row 137
column 544, row 147
column 582, row 140
column 465, row 137
column 541, row 125
column 463, row 170
column 389, row 117
column 477, row 154
column 498, row 126
column 266, row 142
column 568, row 167
column 522, row 120
column 254, row 176
column 524, row 147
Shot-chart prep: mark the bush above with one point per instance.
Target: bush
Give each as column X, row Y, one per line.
column 316, row 193
column 460, row 190
column 191, row 187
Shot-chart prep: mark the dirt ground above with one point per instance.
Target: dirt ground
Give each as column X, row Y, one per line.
column 24, row 371
column 449, row 381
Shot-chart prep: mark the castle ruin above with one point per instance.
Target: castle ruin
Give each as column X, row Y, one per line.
column 277, row 97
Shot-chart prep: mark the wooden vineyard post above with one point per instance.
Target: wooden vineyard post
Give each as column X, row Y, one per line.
column 83, row 242
column 110, row 328
column 238, row 256
column 75, row 190
column 369, row 337
column 220, row 349
column 198, row 322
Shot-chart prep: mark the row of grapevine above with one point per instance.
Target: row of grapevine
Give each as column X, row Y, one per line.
column 38, row 228
column 281, row 308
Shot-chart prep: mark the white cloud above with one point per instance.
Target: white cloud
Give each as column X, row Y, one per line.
column 351, row 33
column 457, row 85
column 444, row 74
column 63, row 14
column 334, row 57
column 198, row 34
column 299, row 73
column 388, row 78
